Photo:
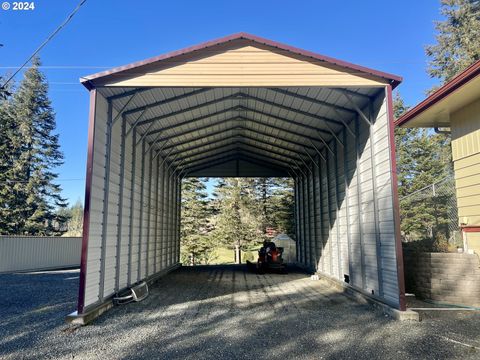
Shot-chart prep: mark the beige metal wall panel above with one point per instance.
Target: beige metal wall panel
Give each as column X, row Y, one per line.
column 384, row 203
column 124, row 215
column 465, row 127
column 245, row 65
column 32, row 253
column 111, row 228
column 352, row 211
column 467, row 183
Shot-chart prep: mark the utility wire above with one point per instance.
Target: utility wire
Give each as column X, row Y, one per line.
column 26, row 181
column 57, row 30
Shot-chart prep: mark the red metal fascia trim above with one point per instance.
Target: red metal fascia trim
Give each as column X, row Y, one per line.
column 461, row 79
column 396, row 206
column 471, row 229
column 86, row 211
column 393, row 79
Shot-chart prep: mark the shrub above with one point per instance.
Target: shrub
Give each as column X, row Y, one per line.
column 248, row 256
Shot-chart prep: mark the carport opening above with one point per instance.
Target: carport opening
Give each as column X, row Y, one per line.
column 227, row 220
column 335, row 143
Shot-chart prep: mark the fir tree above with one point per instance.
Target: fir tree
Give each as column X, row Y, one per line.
column 196, row 241
column 238, row 223
column 74, row 219
column 423, row 158
column 7, row 154
column 458, row 39
column 36, row 155
column 281, row 206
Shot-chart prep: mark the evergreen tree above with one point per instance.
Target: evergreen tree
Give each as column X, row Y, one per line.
column 238, row 223
column 423, row 158
column 281, row 206
column 458, row 39
column 196, row 241
column 74, row 219
column 403, row 146
column 36, row 153
column 7, row 154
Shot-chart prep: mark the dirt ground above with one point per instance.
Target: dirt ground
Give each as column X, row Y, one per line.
column 222, row 312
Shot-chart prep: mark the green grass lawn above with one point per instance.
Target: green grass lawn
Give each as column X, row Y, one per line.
column 224, row 255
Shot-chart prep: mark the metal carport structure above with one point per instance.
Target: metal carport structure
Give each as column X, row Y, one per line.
column 241, row 106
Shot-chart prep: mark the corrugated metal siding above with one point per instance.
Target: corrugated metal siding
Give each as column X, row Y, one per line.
column 127, row 211
column 30, row 253
column 353, row 220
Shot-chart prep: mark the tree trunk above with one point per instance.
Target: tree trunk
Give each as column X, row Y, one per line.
column 238, row 255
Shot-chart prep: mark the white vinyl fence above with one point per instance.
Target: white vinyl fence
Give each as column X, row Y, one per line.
column 28, row 253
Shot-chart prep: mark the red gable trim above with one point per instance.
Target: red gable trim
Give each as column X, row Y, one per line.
column 394, row 80
column 458, row 81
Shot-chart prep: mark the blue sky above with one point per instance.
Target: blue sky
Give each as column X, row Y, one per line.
column 385, row 35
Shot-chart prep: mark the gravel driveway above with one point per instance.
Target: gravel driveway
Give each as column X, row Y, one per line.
column 222, row 312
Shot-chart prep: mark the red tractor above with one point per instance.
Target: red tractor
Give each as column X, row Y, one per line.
column 270, row 259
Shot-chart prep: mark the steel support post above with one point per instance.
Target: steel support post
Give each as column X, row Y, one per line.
column 162, row 219
column 337, row 211
column 172, row 214
column 297, row 222
column 323, row 255
column 315, row 217
column 306, row 192
column 132, row 208
column 157, row 177
column 359, row 205
column 347, row 201
column 375, row 201
column 149, row 214
column 106, row 193
column 329, row 211
column 305, row 214
column 142, row 195
column 311, row 207
column 167, row 216
column 120, row 207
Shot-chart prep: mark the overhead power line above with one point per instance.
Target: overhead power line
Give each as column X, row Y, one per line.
column 52, row 35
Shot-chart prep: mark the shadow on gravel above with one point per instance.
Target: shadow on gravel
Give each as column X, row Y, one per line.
column 226, row 312
column 33, row 305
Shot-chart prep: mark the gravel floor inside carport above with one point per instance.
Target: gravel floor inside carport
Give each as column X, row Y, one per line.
column 222, row 312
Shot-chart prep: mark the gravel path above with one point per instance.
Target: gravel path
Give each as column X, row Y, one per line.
column 222, row 312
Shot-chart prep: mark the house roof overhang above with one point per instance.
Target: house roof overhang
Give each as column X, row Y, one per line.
column 436, row 109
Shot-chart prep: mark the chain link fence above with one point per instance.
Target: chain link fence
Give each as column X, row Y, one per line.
column 431, row 213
